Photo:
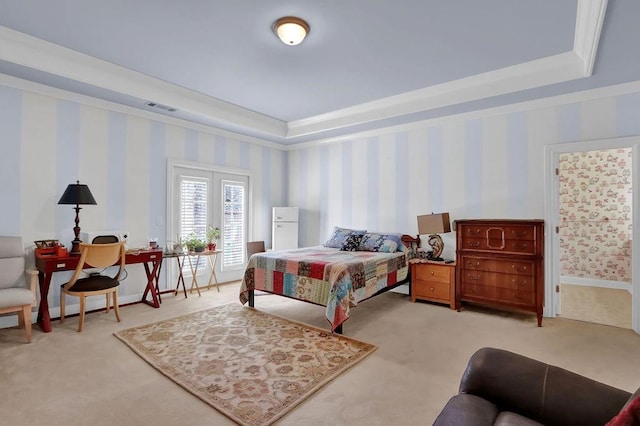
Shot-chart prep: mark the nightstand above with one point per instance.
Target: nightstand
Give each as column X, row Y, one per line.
column 433, row 281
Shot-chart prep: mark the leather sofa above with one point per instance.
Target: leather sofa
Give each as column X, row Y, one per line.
column 503, row 388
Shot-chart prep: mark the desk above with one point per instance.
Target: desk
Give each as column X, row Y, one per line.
column 212, row 256
column 47, row 265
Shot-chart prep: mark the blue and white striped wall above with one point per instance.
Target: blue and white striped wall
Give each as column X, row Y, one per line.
column 50, row 141
column 480, row 165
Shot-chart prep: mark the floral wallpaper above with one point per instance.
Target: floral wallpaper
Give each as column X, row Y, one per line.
column 595, row 214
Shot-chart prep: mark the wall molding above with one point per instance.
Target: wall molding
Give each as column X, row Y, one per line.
column 548, row 102
column 44, row 90
column 590, row 282
column 32, row 52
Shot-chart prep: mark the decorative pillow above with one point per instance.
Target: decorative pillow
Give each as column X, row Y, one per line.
column 352, row 242
column 336, row 240
column 629, row 415
column 377, row 242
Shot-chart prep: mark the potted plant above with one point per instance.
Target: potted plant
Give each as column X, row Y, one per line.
column 212, row 235
column 194, row 243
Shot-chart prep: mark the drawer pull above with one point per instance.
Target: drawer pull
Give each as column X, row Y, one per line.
column 61, row 265
column 519, row 268
column 474, row 231
column 473, row 243
column 431, row 273
column 432, row 289
column 521, row 245
column 519, row 234
column 474, row 277
column 477, row 264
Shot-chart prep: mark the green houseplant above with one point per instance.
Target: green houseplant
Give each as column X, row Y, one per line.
column 194, row 243
column 212, row 235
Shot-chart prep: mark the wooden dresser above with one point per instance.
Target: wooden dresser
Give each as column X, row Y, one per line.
column 500, row 263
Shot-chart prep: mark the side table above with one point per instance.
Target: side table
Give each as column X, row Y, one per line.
column 433, row 281
column 212, row 256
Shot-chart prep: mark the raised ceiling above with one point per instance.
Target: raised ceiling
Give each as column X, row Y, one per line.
column 365, row 63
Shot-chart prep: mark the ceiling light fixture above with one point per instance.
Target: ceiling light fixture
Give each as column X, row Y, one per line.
column 291, row 30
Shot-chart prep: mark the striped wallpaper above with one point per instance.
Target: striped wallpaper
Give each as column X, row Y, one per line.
column 492, row 166
column 48, row 143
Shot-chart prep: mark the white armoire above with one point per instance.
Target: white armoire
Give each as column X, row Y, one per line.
column 285, row 228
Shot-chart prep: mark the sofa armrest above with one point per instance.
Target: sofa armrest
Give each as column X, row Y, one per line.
column 542, row 392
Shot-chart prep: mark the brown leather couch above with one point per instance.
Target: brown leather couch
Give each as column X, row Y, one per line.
column 503, row 388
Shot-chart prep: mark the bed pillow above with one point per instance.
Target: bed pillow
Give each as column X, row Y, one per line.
column 378, row 242
column 352, row 242
column 338, row 236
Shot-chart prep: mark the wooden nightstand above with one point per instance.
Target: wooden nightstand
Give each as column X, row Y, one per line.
column 433, row 281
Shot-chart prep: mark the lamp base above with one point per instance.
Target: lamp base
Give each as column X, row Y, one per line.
column 75, row 247
column 435, row 241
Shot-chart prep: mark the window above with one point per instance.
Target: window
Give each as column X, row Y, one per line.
column 233, row 223
column 194, row 194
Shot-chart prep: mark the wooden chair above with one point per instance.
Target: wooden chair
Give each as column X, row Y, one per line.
column 96, row 256
column 15, row 295
column 254, row 247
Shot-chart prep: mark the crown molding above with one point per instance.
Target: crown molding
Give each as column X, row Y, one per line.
column 32, row 52
column 53, row 92
column 589, row 21
column 41, row 55
column 541, row 103
column 540, row 72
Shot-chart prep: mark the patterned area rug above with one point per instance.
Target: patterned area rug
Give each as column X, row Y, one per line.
column 252, row 366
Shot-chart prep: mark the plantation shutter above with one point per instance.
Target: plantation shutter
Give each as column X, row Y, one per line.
column 193, row 207
column 194, row 193
column 233, row 223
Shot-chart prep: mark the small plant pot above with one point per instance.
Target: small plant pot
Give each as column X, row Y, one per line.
column 198, row 249
column 211, row 246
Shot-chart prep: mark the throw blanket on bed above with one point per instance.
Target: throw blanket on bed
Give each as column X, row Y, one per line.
column 325, row 276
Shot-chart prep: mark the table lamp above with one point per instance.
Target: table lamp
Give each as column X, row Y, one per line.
column 433, row 224
column 77, row 194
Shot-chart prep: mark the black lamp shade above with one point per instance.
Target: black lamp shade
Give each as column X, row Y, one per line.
column 77, row 194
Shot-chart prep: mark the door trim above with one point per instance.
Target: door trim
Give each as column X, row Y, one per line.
column 551, row 208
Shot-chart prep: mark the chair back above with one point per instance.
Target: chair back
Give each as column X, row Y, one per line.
column 99, row 256
column 102, row 255
column 254, row 247
column 12, row 262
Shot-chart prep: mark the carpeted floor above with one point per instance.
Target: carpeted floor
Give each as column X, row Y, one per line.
column 250, row 365
column 70, row 378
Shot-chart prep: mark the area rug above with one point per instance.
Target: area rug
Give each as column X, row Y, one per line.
column 252, row 366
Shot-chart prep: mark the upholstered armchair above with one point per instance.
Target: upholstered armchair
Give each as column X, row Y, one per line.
column 17, row 286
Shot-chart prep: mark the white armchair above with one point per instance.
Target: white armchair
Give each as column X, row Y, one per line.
column 17, row 286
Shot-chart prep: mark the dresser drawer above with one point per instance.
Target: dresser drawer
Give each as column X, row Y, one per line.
column 433, row 273
column 499, row 232
column 477, row 291
column 432, row 290
column 514, row 246
column 518, row 297
column 495, row 279
column 505, row 266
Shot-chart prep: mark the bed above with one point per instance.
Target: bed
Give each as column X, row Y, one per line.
column 337, row 275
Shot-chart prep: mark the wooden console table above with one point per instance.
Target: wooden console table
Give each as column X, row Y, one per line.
column 47, row 265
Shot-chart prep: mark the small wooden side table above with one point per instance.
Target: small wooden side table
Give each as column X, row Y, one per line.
column 212, row 256
column 433, row 281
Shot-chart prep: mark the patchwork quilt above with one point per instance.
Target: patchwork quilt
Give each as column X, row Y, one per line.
column 324, row 276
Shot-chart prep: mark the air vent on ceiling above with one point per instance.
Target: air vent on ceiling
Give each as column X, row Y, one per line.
column 160, row 106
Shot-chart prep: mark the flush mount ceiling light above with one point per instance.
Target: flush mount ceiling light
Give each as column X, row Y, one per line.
column 291, row 30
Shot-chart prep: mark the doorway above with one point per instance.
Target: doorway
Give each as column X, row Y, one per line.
column 590, row 220
column 200, row 196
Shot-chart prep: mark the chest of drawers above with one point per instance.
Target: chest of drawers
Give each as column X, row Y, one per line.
column 500, row 263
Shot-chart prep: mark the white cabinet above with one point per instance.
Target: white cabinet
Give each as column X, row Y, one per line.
column 285, row 228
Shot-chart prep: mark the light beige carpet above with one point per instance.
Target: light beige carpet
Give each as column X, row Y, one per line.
column 250, row 365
